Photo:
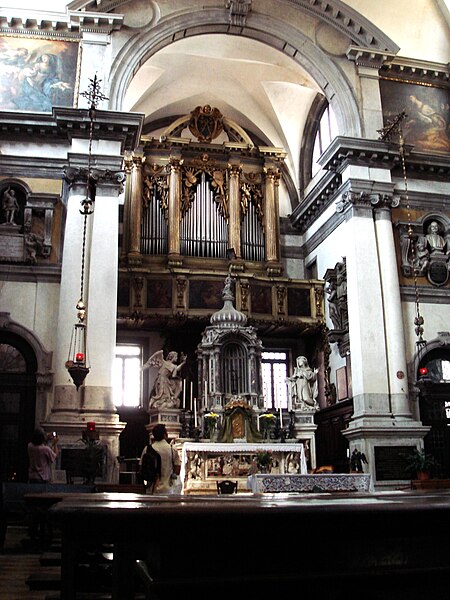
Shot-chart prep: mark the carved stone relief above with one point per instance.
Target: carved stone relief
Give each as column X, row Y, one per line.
column 336, row 288
column 26, row 223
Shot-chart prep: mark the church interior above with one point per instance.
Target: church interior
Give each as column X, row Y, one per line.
column 230, row 218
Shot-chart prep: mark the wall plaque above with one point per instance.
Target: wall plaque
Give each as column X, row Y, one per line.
column 11, row 246
column 391, row 462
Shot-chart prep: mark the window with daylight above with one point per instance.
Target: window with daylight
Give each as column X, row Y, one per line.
column 127, row 375
column 326, row 132
column 274, row 366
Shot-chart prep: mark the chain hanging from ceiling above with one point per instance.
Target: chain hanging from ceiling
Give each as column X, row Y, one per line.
column 394, row 127
column 77, row 363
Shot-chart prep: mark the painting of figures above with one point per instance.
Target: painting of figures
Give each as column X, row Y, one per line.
column 37, row 74
column 427, row 122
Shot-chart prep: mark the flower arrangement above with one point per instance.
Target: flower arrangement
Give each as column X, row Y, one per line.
column 263, row 460
column 266, row 422
column 210, row 422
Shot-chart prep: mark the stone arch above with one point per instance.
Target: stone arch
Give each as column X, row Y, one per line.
column 44, row 376
column 28, row 383
column 441, row 342
column 279, row 35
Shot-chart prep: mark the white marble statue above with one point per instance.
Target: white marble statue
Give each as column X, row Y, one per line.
column 168, row 385
column 302, row 386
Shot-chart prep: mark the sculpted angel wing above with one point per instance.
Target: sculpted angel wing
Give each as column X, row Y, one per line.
column 155, row 360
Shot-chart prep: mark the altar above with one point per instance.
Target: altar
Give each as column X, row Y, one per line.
column 204, row 464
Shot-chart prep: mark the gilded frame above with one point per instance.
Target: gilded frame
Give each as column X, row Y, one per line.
column 38, row 73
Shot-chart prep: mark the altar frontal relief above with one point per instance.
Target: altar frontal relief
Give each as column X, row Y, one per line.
column 37, row 73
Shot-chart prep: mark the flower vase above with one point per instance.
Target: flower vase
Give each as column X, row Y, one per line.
column 212, row 434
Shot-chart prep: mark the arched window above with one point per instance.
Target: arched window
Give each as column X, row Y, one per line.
column 326, row 132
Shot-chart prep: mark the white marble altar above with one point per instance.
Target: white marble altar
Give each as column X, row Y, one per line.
column 203, row 464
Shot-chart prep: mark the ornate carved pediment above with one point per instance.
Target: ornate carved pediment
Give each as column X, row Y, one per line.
column 206, row 123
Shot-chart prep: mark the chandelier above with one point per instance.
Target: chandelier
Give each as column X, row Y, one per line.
column 77, row 362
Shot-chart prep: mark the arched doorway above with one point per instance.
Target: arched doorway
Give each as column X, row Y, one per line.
column 18, row 367
column 434, row 405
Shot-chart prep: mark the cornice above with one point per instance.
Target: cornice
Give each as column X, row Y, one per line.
column 16, row 21
column 368, row 57
column 344, row 151
column 316, row 201
column 340, row 16
column 68, row 123
column 416, row 71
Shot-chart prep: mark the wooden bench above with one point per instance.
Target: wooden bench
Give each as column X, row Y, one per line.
column 13, row 506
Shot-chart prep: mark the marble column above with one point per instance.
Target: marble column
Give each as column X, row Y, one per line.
column 365, row 309
column 390, row 289
column 102, row 295
column 66, row 397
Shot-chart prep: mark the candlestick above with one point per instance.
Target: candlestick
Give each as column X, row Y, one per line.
column 184, row 394
column 281, row 416
column 195, row 412
column 190, row 397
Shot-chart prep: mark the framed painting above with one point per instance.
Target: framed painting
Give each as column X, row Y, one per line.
column 299, row 302
column 205, row 294
column 261, row 299
column 37, row 74
column 159, row 293
column 426, row 125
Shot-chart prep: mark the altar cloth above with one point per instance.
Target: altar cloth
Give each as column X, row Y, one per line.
column 320, row 482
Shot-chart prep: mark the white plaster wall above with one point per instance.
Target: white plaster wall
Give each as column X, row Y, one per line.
column 436, row 318
column 34, row 306
column 418, row 27
column 327, row 255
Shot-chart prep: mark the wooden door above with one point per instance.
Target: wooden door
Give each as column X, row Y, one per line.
column 17, row 405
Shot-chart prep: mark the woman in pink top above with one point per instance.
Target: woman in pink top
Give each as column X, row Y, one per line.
column 41, row 457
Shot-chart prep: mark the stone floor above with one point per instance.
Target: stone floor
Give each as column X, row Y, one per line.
column 17, row 562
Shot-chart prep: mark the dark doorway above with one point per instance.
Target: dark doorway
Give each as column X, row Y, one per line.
column 435, row 406
column 18, row 367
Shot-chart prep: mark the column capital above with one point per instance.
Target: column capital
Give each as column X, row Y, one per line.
column 360, row 199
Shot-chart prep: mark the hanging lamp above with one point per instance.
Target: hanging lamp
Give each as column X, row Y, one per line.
column 386, row 133
column 77, row 362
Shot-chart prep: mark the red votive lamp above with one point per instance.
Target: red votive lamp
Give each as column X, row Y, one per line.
column 79, row 357
column 423, row 371
column 90, row 426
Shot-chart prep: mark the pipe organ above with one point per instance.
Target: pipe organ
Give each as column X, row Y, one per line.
column 195, row 210
column 200, row 199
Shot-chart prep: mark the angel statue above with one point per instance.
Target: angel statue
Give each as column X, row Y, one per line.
column 302, row 386
column 168, row 384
